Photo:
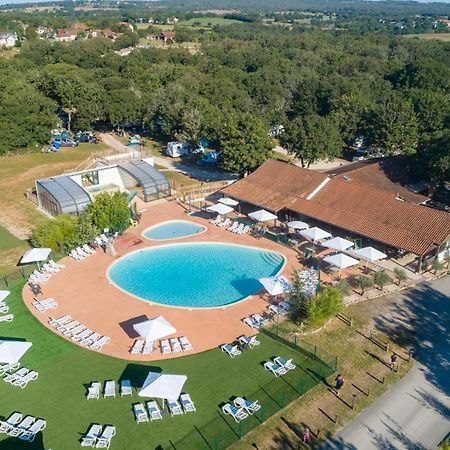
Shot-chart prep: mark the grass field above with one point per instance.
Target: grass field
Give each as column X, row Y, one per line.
column 208, row 21
column 58, row 395
column 445, row 37
column 8, row 240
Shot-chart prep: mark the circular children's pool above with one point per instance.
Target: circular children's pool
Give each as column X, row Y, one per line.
column 173, row 229
column 195, row 275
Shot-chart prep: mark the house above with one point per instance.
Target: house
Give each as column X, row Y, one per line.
column 79, row 27
column 63, row 35
column 8, row 39
column 42, row 31
column 127, row 25
column 94, row 33
column 151, row 20
column 172, row 20
column 445, row 22
column 167, row 36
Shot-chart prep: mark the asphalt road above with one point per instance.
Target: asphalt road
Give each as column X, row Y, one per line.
column 415, row 413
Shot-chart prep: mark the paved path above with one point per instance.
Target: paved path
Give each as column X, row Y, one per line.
column 415, row 413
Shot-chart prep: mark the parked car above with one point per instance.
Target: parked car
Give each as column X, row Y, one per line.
column 210, row 159
column 367, row 153
column 68, row 143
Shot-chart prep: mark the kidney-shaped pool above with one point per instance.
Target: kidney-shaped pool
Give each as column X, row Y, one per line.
column 195, row 275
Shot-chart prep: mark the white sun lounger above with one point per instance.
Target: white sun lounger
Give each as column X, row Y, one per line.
column 23, row 426
column 23, row 381
column 90, row 339
column 251, row 323
column 287, row 364
column 185, row 343
column 104, row 440
column 110, row 389
column 148, row 348
column 174, row 407
column 56, row 265
column 231, row 350
column 249, row 407
column 89, row 249
column 276, row 369
column 74, row 331
column 82, row 252
column 62, row 320
column 94, row 390
column 31, row 432
column 125, row 388
column 140, row 414
column 237, row 414
column 239, row 228
column 49, row 269
column 233, row 226
column 74, row 255
column 90, row 438
column 175, row 344
column 187, row 403
column 165, row 347
column 8, row 367
column 83, row 335
column 250, row 341
column 260, row 319
column 10, row 422
column 70, row 326
column 100, row 343
column 16, row 375
column 4, row 309
column 7, row 318
column 245, row 230
column 154, row 410
column 137, row 346
column 43, row 305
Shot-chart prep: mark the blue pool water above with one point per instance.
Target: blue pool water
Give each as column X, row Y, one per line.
column 173, row 229
column 200, row 275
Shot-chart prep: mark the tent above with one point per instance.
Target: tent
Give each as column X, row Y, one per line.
column 4, row 294
column 370, row 254
column 338, row 243
column 35, row 255
column 228, row 201
column 315, row 234
column 12, row 351
column 298, row 225
column 262, row 215
column 276, row 285
column 161, row 385
column 341, row 261
column 154, row 329
column 220, row 208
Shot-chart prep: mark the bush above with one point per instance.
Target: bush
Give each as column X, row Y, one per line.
column 298, row 300
column 344, row 287
column 327, row 304
column 381, row 278
column 364, row 282
column 400, row 275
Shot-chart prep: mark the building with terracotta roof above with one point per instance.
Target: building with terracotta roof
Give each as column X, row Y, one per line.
column 63, row 35
column 347, row 204
column 167, row 36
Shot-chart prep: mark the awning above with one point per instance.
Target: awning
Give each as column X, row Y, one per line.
column 12, row 351
column 4, row 294
column 228, row 201
column 315, row 234
column 276, row 285
column 154, row 329
column 262, row 215
column 298, row 225
column 35, row 255
column 338, row 243
column 161, row 385
column 341, row 260
column 220, row 208
column 370, row 254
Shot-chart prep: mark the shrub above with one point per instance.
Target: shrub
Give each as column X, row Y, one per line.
column 344, row 287
column 381, row 278
column 436, row 265
column 400, row 275
column 60, row 234
column 364, row 282
column 327, row 304
column 298, row 300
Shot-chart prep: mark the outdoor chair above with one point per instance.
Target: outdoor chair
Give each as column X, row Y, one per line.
column 21, row 427
column 8, row 367
column 231, row 350
column 68, row 326
column 10, row 422
column 56, row 265
column 104, row 440
column 187, row 403
column 55, row 322
column 175, row 345
column 125, row 388
column 4, row 309
column 88, row 249
column 83, row 335
column 233, row 226
column 110, row 389
column 174, row 407
column 88, row 341
column 74, row 331
column 260, row 319
column 249, row 406
column 94, row 390
column 30, row 433
column 276, row 369
column 237, row 414
column 7, row 318
column 251, row 323
column 140, row 414
column 165, row 346
column 137, row 346
column 100, row 343
column 154, row 410
column 251, row 342
column 90, row 438
column 23, row 381
column 16, row 375
column 288, row 365
column 148, row 348
column 185, row 343
column 81, row 252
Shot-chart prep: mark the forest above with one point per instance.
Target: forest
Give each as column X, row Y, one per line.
column 326, row 87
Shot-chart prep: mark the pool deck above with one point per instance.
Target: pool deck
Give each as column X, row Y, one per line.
column 83, row 291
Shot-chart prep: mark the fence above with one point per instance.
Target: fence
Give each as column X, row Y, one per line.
column 222, row 431
column 192, row 192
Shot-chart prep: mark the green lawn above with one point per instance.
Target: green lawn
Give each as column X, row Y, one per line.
column 208, row 21
column 8, row 240
column 66, row 369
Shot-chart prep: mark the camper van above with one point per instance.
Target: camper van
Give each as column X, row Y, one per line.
column 176, row 149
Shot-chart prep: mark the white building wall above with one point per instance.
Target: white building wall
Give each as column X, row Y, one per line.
column 110, row 175
column 77, row 179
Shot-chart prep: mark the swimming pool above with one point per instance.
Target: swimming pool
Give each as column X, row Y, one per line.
column 195, row 275
column 173, row 229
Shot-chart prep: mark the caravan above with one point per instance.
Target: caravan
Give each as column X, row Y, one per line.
column 176, row 149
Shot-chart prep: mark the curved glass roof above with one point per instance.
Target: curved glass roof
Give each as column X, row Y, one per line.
column 147, row 176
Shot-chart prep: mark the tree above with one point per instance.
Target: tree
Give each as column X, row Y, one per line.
column 381, row 278
column 364, row 282
column 127, row 39
column 298, row 300
column 436, row 265
column 110, row 211
column 400, row 275
column 311, row 139
column 244, row 142
column 59, row 234
column 344, row 287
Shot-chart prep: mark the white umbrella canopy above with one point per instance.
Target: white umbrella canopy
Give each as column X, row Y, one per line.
column 228, row 201
column 4, row 294
column 315, row 234
column 220, row 208
column 154, row 329
column 338, row 243
column 12, row 351
column 262, row 215
column 298, row 225
column 35, row 255
column 370, row 254
column 276, row 285
column 160, row 385
column 341, row 261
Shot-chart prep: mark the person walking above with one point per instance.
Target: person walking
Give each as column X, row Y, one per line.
column 306, row 435
column 339, row 383
column 393, row 361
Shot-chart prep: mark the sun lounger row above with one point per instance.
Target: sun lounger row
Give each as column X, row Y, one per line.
column 23, row 428
column 244, row 341
column 79, row 333
column 51, row 267
column 39, row 277
column 8, row 368
column 241, row 408
column 4, row 308
column 109, row 390
column 21, row 377
column 175, row 345
column 142, row 347
column 239, row 228
column 280, row 308
column 43, row 305
column 255, row 321
column 153, row 412
column 279, row 366
column 7, row 318
column 98, row 436
column 81, row 253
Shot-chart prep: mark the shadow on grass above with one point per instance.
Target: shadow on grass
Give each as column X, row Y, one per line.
column 11, row 443
column 137, row 373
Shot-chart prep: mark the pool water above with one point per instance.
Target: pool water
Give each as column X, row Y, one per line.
column 200, row 275
column 173, row 229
